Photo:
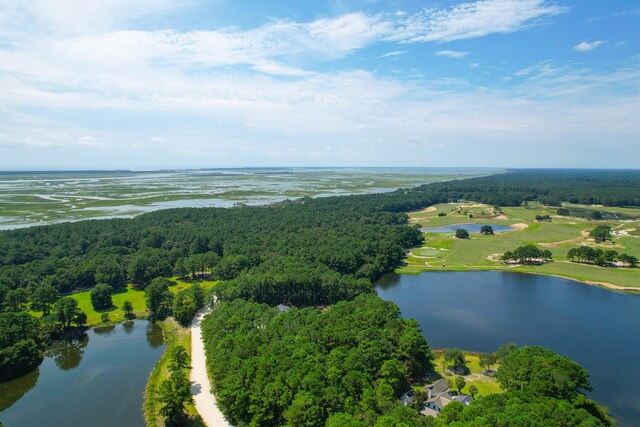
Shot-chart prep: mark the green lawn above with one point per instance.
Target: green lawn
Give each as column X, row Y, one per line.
column 136, row 297
column 558, row 236
column 486, row 385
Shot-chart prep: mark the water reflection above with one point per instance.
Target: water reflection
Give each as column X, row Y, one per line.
column 100, row 378
column 155, row 338
column 12, row 391
column 104, row 329
column 68, row 355
column 128, row 326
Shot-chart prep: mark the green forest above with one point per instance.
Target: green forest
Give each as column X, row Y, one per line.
column 341, row 353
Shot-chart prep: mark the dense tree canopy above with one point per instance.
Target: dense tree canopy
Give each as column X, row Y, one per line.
column 187, row 302
column 514, row 409
column 21, row 344
column 303, row 365
column 601, row 233
column 542, row 389
column 543, row 372
column 527, row 254
column 603, row 258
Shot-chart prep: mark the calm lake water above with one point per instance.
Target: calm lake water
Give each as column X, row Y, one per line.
column 98, row 381
column 471, row 228
column 479, row 311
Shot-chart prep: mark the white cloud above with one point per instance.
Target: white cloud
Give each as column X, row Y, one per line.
column 89, row 141
column 452, row 53
column 215, row 86
column 277, row 69
column 473, row 19
column 33, row 18
column 394, row 54
column 586, row 46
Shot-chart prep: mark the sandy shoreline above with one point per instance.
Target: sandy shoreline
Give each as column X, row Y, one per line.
column 205, row 401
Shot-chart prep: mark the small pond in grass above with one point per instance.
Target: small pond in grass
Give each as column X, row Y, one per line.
column 479, row 311
column 471, row 228
column 98, row 381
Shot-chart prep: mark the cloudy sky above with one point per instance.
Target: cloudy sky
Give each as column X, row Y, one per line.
column 232, row 83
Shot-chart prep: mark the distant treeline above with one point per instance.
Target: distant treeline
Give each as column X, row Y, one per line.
column 548, row 186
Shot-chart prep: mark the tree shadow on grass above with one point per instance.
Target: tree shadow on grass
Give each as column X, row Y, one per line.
column 106, row 309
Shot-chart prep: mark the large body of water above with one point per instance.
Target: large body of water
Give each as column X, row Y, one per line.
column 36, row 198
column 479, row 311
column 97, row 382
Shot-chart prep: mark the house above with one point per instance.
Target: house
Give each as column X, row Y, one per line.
column 439, row 395
column 464, row 399
column 282, row 307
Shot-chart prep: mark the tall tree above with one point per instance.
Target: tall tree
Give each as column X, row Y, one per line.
column 486, row 229
column 173, row 395
column 101, row 296
column 43, row 297
column 127, row 307
column 158, row 297
column 66, row 311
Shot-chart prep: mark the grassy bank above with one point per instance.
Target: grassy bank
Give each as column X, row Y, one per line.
column 443, row 252
column 135, row 296
column 175, row 335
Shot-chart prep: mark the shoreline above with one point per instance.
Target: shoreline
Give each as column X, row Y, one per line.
column 630, row 290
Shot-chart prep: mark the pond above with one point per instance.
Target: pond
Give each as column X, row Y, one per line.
column 471, row 228
column 480, row 311
column 98, row 381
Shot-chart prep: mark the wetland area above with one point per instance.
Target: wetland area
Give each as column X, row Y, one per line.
column 38, row 198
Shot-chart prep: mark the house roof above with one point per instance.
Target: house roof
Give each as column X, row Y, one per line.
column 428, row 412
column 443, row 400
column 282, row 307
column 464, row 399
column 440, row 386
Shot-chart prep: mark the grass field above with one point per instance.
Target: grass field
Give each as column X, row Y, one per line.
column 482, row 252
column 486, row 385
column 136, row 297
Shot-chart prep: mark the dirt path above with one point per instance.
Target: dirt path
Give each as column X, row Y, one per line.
column 205, row 401
column 583, row 236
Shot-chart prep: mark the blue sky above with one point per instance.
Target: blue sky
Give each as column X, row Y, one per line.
column 176, row 84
